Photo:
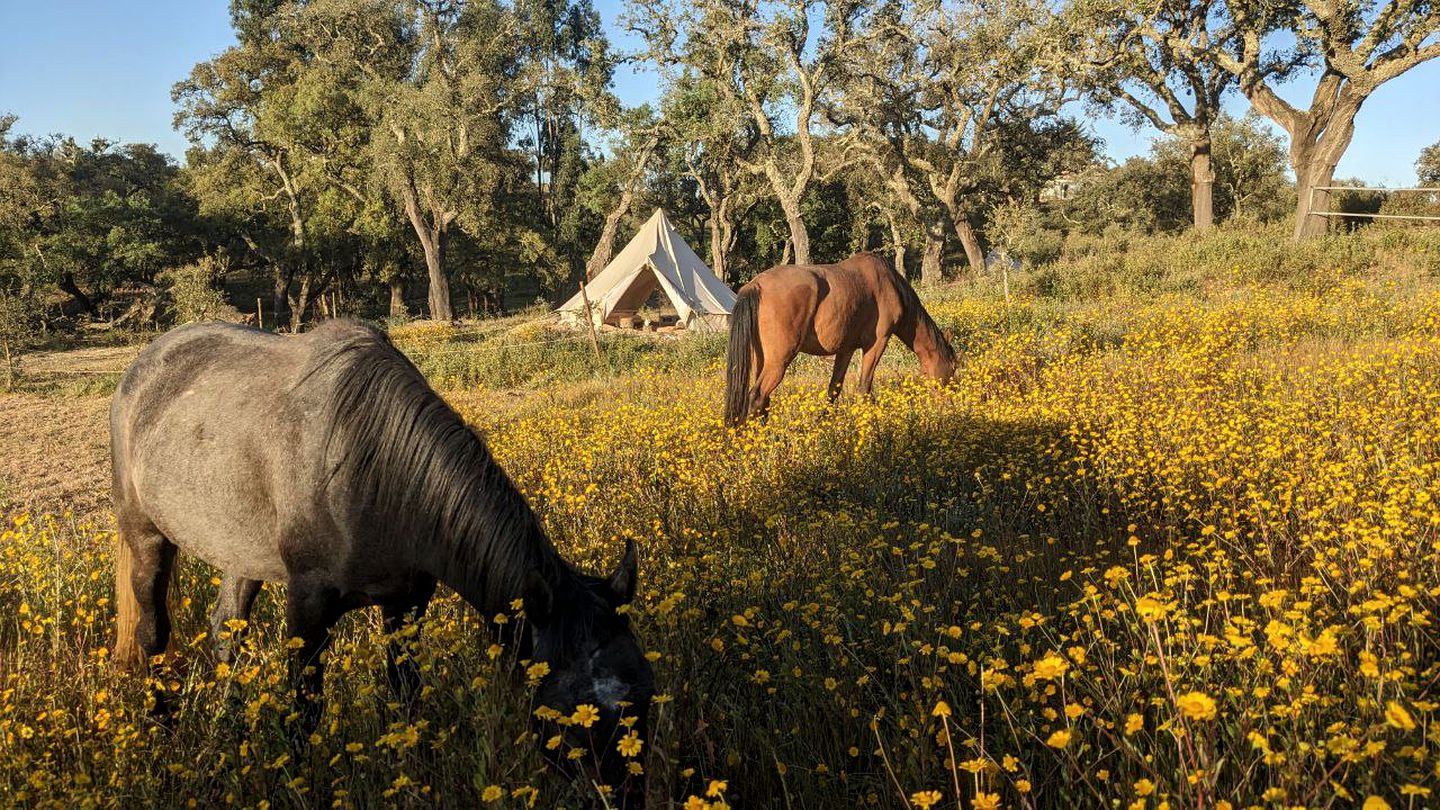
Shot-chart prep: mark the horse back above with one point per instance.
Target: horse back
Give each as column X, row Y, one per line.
column 833, row 307
column 209, row 443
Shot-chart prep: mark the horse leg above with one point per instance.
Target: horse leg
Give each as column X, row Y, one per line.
column 153, row 557
column 765, row 385
column 401, row 668
column 236, row 598
column 757, row 366
column 837, row 376
column 310, row 611
column 868, row 361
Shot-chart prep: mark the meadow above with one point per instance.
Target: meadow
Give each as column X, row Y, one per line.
column 1168, row 539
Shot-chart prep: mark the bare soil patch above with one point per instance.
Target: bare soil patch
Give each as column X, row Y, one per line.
column 90, row 360
column 54, row 454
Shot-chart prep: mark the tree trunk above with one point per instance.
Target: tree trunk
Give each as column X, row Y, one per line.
column 397, row 297
column 1312, row 170
column 897, row 243
column 973, row 254
column 930, row 271
column 299, row 304
column 605, row 248
column 717, row 248
column 279, row 292
column 799, row 236
column 68, row 285
column 1318, row 140
column 603, row 251
column 1202, row 183
column 434, row 234
column 433, row 242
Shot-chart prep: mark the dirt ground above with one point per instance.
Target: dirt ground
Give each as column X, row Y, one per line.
column 54, row 453
column 92, row 360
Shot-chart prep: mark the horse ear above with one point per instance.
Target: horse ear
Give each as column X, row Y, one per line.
column 623, row 582
column 949, row 334
column 538, row 598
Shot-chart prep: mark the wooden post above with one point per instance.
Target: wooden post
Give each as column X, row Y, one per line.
column 590, row 322
column 259, row 313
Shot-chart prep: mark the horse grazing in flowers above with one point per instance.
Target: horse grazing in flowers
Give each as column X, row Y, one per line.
column 824, row 310
column 325, row 462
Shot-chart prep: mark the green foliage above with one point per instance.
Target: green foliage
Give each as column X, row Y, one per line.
column 1011, row 225
column 1427, row 166
column 1152, row 194
column 88, row 219
column 15, row 333
column 194, row 292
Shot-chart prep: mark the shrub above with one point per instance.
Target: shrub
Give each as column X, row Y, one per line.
column 194, row 295
column 15, row 333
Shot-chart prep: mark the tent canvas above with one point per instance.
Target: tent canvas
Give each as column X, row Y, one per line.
column 656, row 256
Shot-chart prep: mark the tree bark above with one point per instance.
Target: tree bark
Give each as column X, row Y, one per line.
column 397, row 297
column 1319, row 135
column 1202, row 183
column 717, row 247
column 1312, row 174
column 1313, row 159
column 433, row 242
column 605, row 248
column 280, row 291
column 968, row 240
column 434, row 235
column 930, row 270
column 897, row 240
column 799, row 236
column 299, row 303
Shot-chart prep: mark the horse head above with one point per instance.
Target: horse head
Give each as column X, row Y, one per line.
column 939, row 362
column 596, row 695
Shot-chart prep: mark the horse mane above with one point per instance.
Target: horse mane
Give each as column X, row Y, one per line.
column 428, row 482
column 911, row 301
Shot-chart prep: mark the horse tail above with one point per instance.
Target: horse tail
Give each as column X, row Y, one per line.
column 744, row 337
column 126, row 655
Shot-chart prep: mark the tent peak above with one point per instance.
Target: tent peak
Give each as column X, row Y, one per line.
column 656, row 256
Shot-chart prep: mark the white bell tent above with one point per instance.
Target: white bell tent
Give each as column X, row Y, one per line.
column 657, row 257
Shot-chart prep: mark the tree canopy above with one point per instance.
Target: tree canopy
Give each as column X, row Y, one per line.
column 437, row 156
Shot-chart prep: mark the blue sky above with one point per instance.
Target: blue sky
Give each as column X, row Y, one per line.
column 91, row 68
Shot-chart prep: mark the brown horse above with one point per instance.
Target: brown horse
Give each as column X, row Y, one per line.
column 824, row 310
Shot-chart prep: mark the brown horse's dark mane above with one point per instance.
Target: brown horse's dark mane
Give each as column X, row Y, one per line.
column 432, row 487
column 915, row 309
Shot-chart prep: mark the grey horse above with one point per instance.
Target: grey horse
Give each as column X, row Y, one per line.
column 325, row 462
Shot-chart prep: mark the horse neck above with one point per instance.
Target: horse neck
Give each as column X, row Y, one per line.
column 491, row 540
column 916, row 329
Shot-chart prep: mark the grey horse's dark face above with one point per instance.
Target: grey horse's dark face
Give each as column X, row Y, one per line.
column 593, row 702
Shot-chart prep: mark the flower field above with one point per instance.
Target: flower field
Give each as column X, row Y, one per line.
column 1140, row 553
